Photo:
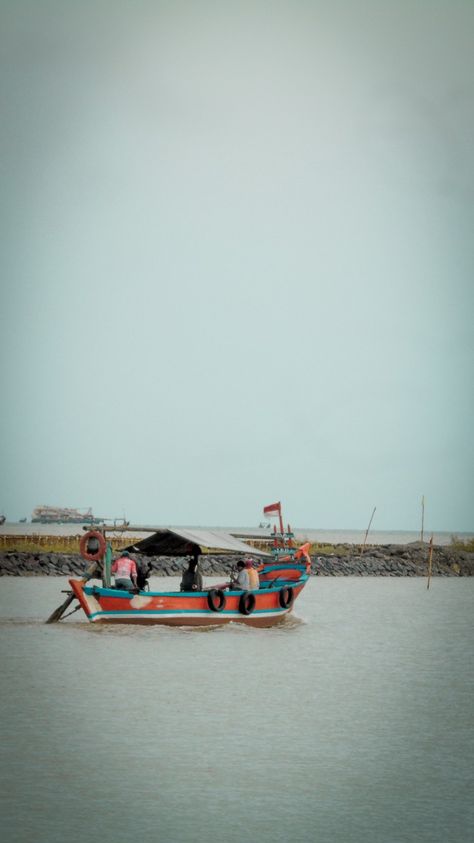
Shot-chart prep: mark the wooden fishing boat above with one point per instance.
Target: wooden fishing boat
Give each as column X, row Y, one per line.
column 275, row 598
column 282, row 576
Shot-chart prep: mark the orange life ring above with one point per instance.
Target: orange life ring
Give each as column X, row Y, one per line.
column 92, row 557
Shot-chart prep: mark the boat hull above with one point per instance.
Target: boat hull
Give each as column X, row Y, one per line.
column 102, row 605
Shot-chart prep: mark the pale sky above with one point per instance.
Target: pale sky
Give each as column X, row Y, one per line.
column 237, row 260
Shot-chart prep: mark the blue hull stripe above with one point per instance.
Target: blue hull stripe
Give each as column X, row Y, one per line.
column 171, row 612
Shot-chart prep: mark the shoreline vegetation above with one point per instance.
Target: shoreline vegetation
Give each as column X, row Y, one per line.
column 59, row 556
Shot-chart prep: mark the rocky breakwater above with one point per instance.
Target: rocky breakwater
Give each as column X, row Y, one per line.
column 394, row 560
column 342, row 560
column 21, row 564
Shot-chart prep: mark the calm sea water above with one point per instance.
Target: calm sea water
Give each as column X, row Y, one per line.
column 351, row 722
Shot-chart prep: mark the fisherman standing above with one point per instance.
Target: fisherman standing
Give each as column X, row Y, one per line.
column 192, row 577
column 125, row 571
column 144, row 569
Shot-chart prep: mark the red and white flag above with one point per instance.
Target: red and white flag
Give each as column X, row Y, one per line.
column 273, row 510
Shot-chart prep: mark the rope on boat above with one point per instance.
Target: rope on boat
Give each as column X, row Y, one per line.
column 57, row 614
column 71, row 612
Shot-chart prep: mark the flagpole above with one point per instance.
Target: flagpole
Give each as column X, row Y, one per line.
column 282, row 530
column 367, row 530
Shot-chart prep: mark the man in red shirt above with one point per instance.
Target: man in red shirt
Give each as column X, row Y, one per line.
column 125, row 572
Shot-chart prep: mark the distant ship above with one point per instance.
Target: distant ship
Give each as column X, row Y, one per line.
column 63, row 515
column 3, row 518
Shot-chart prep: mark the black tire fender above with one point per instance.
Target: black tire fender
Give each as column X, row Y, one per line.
column 247, row 603
column 286, row 597
column 216, row 599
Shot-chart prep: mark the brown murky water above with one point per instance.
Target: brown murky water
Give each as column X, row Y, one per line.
column 350, row 723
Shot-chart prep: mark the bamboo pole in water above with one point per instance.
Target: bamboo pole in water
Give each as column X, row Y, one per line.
column 430, row 562
column 422, row 517
column 367, row 531
column 59, row 612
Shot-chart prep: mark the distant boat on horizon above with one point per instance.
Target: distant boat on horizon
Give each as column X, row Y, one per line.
column 62, row 515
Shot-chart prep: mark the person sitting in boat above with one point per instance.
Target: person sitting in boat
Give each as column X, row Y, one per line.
column 241, row 580
column 254, row 579
column 125, row 571
column 192, row 577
